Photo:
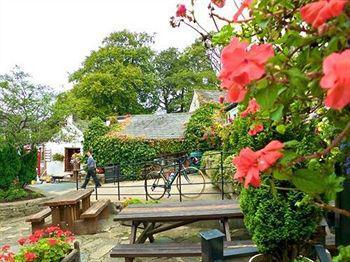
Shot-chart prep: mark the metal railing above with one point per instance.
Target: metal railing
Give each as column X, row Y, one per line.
column 115, row 178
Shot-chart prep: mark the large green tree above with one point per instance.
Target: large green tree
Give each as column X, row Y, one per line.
column 118, row 78
column 179, row 73
column 25, row 109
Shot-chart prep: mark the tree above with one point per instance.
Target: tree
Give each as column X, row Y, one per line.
column 179, row 73
column 118, row 78
column 25, row 109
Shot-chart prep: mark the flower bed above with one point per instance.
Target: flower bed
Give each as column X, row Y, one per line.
column 50, row 244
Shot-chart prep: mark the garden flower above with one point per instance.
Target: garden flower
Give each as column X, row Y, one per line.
column 52, row 241
column 241, row 66
column 249, row 164
column 270, row 154
column 252, row 108
column 336, row 79
column 5, row 247
column 218, row 3
column 221, row 99
column 245, row 4
column 247, row 168
column 30, row 256
column 181, row 11
column 256, row 129
column 22, row 241
column 317, row 13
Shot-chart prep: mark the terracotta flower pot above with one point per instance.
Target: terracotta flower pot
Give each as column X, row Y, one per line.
column 262, row 258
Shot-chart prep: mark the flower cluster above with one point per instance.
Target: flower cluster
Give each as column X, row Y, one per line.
column 6, row 255
column 219, row 3
column 241, row 66
column 250, row 164
column 49, row 233
column 181, row 10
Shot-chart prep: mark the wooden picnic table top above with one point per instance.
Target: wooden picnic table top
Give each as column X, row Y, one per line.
column 175, row 211
column 69, row 198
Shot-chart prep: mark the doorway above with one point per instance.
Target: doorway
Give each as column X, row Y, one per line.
column 68, row 152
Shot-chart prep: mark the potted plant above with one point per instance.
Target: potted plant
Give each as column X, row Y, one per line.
column 51, row 244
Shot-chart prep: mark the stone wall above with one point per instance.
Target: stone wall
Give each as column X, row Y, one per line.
column 21, row 208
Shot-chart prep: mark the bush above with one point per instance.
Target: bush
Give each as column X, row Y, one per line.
column 200, row 133
column 10, row 165
column 16, row 192
column 58, row 157
column 27, row 173
column 279, row 226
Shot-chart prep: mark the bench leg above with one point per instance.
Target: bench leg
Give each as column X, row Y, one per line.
column 226, row 229
column 133, row 232
column 86, row 203
column 91, row 224
column 37, row 225
column 105, row 213
column 56, row 217
column 129, row 259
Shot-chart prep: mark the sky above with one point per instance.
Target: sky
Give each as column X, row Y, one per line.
column 50, row 38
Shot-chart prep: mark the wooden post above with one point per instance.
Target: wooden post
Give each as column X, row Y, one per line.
column 56, row 218
column 212, row 245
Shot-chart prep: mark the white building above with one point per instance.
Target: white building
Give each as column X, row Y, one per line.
column 65, row 143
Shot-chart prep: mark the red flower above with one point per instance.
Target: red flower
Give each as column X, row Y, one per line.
column 38, row 233
column 52, row 241
column 5, row 248
column 270, row 154
column 249, row 164
column 51, row 229
column 245, row 4
column 59, row 233
column 33, row 239
column 336, row 79
column 221, row 99
column 21, row 241
column 240, row 66
column 218, row 3
column 252, row 108
column 317, row 13
column 30, row 256
column 181, row 11
column 247, row 167
column 256, row 129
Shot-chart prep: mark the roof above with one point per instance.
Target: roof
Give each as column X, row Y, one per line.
column 154, row 126
column 206, row 96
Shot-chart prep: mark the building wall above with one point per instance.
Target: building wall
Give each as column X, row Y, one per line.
column 195, row 104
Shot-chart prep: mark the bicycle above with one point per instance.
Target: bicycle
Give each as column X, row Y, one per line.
column 190, row 181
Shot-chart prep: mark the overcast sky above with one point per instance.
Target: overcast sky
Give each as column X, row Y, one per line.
column 50, row 38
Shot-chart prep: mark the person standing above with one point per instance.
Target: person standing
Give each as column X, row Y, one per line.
column 91, row 170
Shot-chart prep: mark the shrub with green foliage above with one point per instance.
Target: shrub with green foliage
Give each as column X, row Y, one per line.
column 16, row 192
column 280, row 225
column 27, row 173
column 129, row 152
column 201, row 133
column 344, row 254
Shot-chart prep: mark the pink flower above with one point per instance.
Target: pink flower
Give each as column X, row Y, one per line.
column 219, row 3
column 270, row 154
column 247, row 168
column 336, row 79
column 52, row 241
column 249, row 164
column 22, row 241
column 245, row 4
column 317, row 13
column 241, row 66
column 252, row 108
column 181, row 10
column 256, row 129
column 30, row 256
column 5, row 248
column 51, row 229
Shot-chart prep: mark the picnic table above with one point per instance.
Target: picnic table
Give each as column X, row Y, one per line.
column 152, row 218
column 68, row 207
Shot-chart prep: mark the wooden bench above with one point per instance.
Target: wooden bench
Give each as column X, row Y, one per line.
column 38, row 220
column 130, row 251
column 91, row 216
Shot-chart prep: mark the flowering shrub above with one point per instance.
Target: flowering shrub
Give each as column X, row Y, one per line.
column 292, row 58
column 51, row 244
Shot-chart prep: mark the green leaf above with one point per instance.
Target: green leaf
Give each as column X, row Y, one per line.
column 281, row 129
column 309, row 181
column 277, row 114
column 266, row 97
column 280, row 175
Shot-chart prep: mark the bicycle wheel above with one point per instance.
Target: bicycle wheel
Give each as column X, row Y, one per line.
column 154, row 185
column 192, row 182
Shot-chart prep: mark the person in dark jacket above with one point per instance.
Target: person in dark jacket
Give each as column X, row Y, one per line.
column 91, row 170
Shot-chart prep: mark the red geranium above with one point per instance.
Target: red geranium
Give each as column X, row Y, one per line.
column 241, row 65
column 245, row 4
column 181, row 11
column 52, row 241
column 336, row 79
column 256, row 129
column 22, row 241
column 218, row 3
column 249, row 164
column 252, row 108
column 30, row 256
column 317, row 13
column 5, row 247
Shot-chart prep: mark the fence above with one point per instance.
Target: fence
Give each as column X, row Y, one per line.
column 114, row 179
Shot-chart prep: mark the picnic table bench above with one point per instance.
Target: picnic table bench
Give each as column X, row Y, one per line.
column 156, row 218
column 72, row 210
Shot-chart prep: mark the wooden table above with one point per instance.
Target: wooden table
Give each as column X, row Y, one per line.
column 68, row 207
column 151, row 218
